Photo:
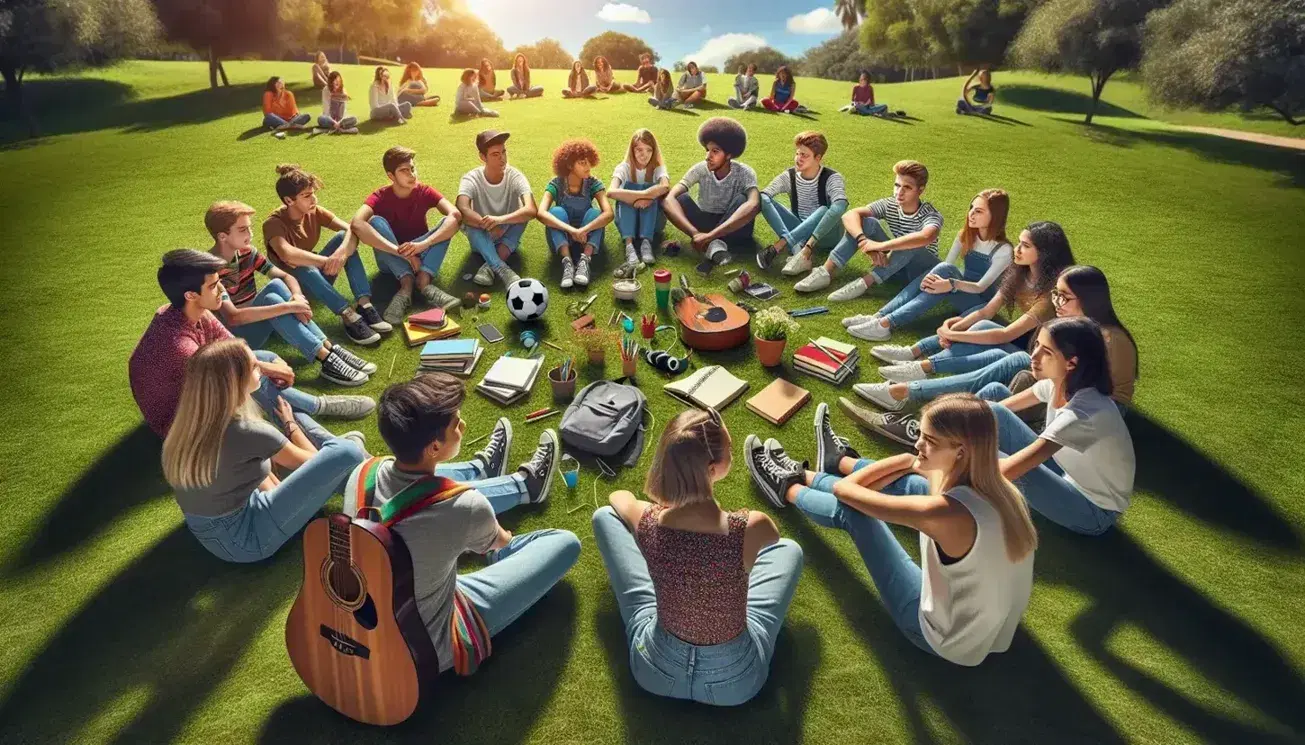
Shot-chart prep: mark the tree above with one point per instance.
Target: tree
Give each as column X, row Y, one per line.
column 850, row 12
column 891, row 34
column 299, row 24
column 51, row 35
column 933, row 33
column 545, row 54
column 621, row 50
column 767, row 60
column 1216, row 54
column 455, row 40
column 708, row 69
column 1096, row 38
column 371, row 24
column 679, row 66
column 219, row 29
column 840, row 58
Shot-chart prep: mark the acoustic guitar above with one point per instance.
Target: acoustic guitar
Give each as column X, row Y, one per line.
column 710, row 322
column 353, row 634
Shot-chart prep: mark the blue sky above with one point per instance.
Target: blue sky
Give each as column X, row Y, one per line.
column 707, row 30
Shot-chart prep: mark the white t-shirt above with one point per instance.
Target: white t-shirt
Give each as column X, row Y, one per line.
column 1096, row 450
column 971, row 608
column 622, row 174
column 1000, row 254
column 494, row 199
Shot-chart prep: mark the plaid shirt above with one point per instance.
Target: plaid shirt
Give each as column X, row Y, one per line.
column 158, row 364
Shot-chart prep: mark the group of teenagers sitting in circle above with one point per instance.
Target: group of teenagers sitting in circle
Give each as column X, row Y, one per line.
column 703, row 592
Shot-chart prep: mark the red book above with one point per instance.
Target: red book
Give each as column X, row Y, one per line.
column 431, row 319
column 819, row 358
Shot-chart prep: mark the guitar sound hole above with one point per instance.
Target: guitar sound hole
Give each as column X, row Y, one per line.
column 345, row 583
column 715, row 315
column 366, row 615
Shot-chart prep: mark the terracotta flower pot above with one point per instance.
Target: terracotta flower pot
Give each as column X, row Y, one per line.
column 769, row 353
column 597, row 356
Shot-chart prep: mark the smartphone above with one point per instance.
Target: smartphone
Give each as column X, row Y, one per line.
column 490, row 333
column 762, row 291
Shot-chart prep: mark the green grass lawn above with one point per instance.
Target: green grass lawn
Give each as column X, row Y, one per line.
column 1180, row 626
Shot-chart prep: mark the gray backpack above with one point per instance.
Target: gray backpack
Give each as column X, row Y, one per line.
column 606, row 420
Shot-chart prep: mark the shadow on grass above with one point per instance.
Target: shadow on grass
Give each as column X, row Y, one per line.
column 1057, row 101
column 999, row 119
column 150, row 647
column 498, row 705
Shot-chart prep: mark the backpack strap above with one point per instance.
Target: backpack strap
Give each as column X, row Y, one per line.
column 822, row 195
column 792, row 189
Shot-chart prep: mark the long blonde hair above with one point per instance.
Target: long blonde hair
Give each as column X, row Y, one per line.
column 998, row 202
column 215, row 391
column 646, row 137
column 692, row 442
column 967, row 419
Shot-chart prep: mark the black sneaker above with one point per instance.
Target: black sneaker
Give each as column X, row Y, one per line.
column 768, row 474
column 353, row 360
column 901, row 428
column 777, row 453
column 336, row 370
column 359, row 331
column 766, row 256
column 830, row 448
column 372, row 317
column 494, row 454
column 542, row 466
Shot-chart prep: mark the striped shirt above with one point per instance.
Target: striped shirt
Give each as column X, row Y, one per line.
column 808, row 192
column 902, row 224
column 238, row 276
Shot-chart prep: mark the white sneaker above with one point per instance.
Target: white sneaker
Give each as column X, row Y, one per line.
column 484, row 276
column 850, row 291
column 646, row 252
column 859, row 319
column 582, row 272
column 818, row 279
column 872, row 331
column 568, row 273
column 631, row 256
column 798, row 263
column 718, row 253
column 904, row 372
column 877, row 394
column 892, row 353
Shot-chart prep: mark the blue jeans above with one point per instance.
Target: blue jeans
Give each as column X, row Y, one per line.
column 965, row 356
column 913, row 302
column 895, row 574
column 724, row 674
column 503, row 492
column 637, row 223
column 274, row 121
column 999, row 372
column 305, row 337
column 865, row 109
column 321, row 288
column 1045, row 487
column 326, row 122
column 485, row 245
column 557, row 239
column 520, row 574
column 262, row 525
column 797, row 232
column 965, row 107
column 431, row 258
column 911, row 264
column 303, row 404
column 392, row 112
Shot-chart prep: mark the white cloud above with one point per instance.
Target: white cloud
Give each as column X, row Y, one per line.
column 818, row 21
column 717, row 49
column 624, row 13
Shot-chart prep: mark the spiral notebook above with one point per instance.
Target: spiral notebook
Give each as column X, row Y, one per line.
column 710, row 387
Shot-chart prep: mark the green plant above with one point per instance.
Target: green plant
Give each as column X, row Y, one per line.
column 773, row 324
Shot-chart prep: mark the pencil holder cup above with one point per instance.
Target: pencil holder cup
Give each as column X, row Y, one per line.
column 563, row 390
column 570, row 471
column 628, row 366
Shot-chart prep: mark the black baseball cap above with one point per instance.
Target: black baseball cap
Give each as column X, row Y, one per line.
column 489, row 137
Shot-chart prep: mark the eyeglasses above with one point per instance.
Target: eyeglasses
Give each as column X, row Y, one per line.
column 1059, row 298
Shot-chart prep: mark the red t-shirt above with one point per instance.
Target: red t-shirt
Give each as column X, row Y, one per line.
column 407, row 217
column 158, row 364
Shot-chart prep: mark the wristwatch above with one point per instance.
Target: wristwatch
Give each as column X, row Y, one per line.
column 952, row 283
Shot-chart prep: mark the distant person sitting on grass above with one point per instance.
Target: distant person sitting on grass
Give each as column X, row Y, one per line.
column 646, row 78
column 219, row 454
column 863, row 99
column 466, row 102
column 577, row 83
column 604, row 78
column 487, row 81
column 335, row 118
column 783, row 93
column 692, row 87
column 746, row 89
column 728, row 200
column 413, row 88
column 280, row 112
column 496, row 205
column 663, row 94
column 979, row 97
column 291, row 234
column 575, row 209
column 321, row 71
column 280, row 307
column 384, row 103
column 443, row 509
column 189, row 279
column 521, row 87
column 639, row 182
column 392, row 220
column 898, row 233
column 818, row 198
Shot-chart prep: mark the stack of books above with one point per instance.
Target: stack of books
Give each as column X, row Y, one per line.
column 828, row 359
column 454, row 356
column 429, row 325
column 510, row 379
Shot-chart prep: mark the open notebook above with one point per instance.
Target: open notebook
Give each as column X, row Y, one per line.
column 710, row 387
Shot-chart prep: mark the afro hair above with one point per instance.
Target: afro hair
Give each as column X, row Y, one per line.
column 728, row 135
column 570, row 151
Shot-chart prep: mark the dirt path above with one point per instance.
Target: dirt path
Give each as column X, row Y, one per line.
column 1294, row 143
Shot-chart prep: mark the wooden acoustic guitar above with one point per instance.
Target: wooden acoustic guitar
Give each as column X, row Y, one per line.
column 354, row 635
column 710, row 322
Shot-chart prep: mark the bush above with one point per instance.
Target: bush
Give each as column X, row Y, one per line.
column 622, row 51
column 767, row 60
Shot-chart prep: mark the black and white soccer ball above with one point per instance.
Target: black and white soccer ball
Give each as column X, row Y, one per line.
column 527, row 299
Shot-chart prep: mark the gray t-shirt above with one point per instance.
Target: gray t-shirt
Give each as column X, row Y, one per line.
column 242, row 465
column 494, row 199
column 691, row 81
column 436, row 537
column 715, row 195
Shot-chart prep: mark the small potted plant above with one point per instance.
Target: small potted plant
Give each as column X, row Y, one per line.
column 771, row 326
column 595, row 342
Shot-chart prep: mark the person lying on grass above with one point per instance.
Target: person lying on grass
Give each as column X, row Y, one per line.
column 219, row 453
column 638, row 184
column 965, row 598
column 496, row 204
column 443, row 509
column 280, row 307
column 818, row 198
column 575, row 210
column 728, row 200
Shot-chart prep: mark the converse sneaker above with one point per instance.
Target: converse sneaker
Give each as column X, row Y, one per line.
column 766, row 256
column 877, row 394
column 372, row 317
column 818, row 279
column 349, row 131
column 398, row 308
column 353, row 360
column 358, row 330
column 437, row 298
column 484, row 276
column 357, row 437
column 777, row 453
column 336, row 370
column 767, row 474
column 830, row 448
column 900, row 428
column 542, row 466
column 718, row 253
column 568, row 273
column 646, row 251
column 798, row 263
column 506, row 274
column 345, row 407
column 892, row 353
column 582, row 272
column 859, row 319
column 494, row 454
column 631, row 255
column 872, row 331
column 904, row 372
column 850, row 291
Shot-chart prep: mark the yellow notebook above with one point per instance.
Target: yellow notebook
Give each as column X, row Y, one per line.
column 418, row 335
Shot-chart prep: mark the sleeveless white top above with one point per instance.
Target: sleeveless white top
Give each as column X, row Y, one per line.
column 971, row 607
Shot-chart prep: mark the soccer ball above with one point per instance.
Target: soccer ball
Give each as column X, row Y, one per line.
column 527, row 299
